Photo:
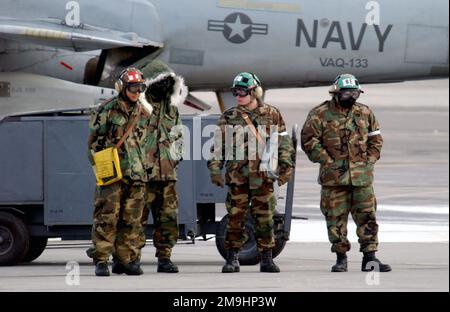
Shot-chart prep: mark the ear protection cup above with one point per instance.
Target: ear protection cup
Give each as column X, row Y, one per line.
column 119, row 83
column 118, row 86
column 258, row 92
column 333, row 89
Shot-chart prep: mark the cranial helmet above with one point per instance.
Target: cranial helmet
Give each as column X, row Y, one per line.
column 129, row 76
column 345, row 81
column 248, row 81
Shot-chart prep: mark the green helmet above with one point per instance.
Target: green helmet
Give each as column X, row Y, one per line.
column 345, row 81
column 246, row 81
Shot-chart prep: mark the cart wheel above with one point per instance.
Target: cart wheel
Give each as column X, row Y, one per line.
column 249, row 254
column 14, row 239
column 37, row 247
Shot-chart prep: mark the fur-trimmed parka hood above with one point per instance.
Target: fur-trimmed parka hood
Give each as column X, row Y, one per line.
column 156, row 71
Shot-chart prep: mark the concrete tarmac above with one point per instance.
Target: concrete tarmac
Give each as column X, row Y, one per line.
column 305, row 268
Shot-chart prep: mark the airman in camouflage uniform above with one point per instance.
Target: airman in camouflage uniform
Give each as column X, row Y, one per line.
column 119, row 207
column 345, row 138
column 165, row 91
column 248, row 184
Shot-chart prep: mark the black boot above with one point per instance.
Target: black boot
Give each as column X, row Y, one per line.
column 101, row 269
column 267, row 264
column 132, row 268
column 341, row 263
column 117, row 267
column 166, row 266
column 377, row 265
column 232, row 264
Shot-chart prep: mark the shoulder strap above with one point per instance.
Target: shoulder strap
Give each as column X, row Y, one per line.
column 130, row 128
column 253, row 129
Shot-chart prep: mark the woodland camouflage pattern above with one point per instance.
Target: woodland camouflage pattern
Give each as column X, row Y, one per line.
column 263, row 204
column 162, row 202
column 107, row 126
column 347, row 146
column 250, row 188
column 337, row 202
column 164, row 150
column 118, row 208
column 164, row 142
column 241, row 170
column 341, row 144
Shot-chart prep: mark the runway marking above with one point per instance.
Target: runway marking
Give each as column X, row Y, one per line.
column 442, row 210
column 315, row 231
column 436, row 209
column 412, row 194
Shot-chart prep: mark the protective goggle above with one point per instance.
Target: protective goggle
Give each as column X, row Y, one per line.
column 240, row 92
column 136, row 88
column 349, row 94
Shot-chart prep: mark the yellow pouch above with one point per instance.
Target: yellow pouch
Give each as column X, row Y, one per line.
column 107, row 166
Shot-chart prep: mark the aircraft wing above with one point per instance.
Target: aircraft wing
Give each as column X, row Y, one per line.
column 23, row 94
column 195, row 102
column 52, row 33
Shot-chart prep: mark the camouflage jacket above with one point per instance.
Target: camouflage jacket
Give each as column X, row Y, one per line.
column 164, row 145
column 240, row 168
column 346, row 145
column 107, row 126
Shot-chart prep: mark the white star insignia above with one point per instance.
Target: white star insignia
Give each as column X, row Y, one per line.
column 238, row 28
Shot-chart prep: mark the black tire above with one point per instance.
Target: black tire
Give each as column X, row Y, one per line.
column 279, row 247
column 280, row 242
column 14, row 239
column 249, row 254
column 37, row 247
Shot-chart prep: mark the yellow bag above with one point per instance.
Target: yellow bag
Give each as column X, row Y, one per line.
column 107, row 166
column 107, row 163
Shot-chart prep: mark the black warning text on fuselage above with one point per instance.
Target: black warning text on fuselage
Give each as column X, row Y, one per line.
column 335, row 34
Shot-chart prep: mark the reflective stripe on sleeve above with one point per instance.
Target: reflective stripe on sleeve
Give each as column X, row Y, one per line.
column 374, row 133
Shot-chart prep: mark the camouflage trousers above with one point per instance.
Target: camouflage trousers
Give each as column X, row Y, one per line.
column 262, row 204
column 118, row 211
column 162, row 201
column 336, row 205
